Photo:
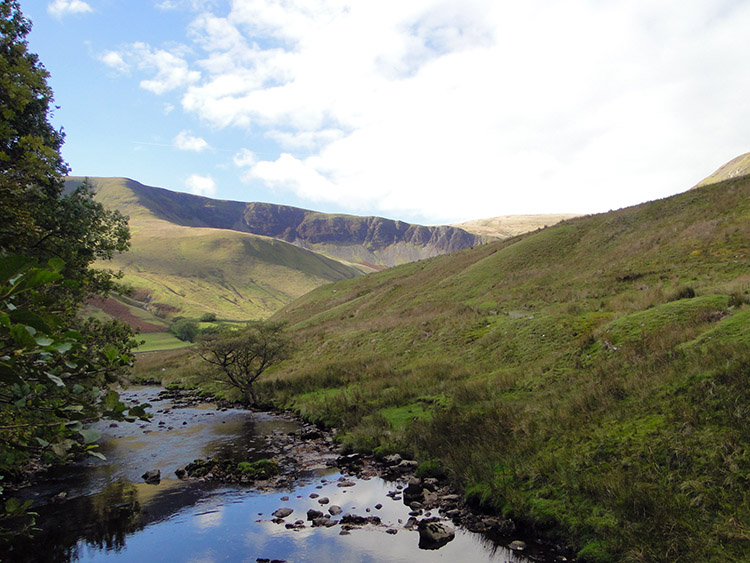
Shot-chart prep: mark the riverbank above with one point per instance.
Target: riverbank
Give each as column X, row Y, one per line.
column 382, row 509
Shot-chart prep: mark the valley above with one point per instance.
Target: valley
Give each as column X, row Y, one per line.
column 587, row 380
column 188, row 378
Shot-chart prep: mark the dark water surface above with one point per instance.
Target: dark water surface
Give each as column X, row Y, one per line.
column 110, row 514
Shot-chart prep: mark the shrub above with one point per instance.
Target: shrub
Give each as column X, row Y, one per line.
column 185, row 329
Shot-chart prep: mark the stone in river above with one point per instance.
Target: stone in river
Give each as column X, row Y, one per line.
column 152, row 477
column 434, row 534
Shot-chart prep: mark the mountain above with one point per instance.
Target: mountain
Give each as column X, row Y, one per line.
column 507, row 226
column 588, row 380
column 371, row 242
column 179, row 265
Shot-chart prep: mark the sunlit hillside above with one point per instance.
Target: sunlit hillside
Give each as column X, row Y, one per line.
column 184, row 270
column 589, row 380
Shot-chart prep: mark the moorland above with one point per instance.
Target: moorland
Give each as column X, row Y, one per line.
column 588, row 380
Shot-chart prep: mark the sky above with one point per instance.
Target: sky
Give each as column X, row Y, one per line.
column 427, row 111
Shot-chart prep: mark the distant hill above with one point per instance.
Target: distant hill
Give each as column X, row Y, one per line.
column 735, row 168
column 507, row 226
column 177, row 269
column 588, row 380
column 372, row 242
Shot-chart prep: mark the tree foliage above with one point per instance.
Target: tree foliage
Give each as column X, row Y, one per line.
column 185, row 329
column 242, row 355
column 55, row 367
column 37, row 218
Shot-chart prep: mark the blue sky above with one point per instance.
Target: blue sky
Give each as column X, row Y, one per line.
column 430, row 111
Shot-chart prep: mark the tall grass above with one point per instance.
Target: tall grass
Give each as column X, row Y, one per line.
column 589, row 380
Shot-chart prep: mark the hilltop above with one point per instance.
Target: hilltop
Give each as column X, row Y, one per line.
column 506, row 226
column 370, row 242
column 735, row 168
column 588, row 380
column 178, row 269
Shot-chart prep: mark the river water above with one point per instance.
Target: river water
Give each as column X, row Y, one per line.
column 104, row 511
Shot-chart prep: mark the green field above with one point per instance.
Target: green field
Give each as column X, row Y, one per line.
column 160, row 341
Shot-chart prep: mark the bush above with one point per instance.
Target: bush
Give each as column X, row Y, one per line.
column 185, row 329
column 207, row 317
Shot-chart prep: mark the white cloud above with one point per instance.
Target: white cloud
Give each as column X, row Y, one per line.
column 114, row 60
column 201, row 185
column 59, row 8
column 195, row 5
column 453, row 110
column 170, row 69
column 186, row 142
column 245, row 158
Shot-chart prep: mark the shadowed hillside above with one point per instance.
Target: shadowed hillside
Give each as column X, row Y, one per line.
column 589, row 380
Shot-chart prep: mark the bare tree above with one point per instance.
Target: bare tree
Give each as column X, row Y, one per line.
column 243, row 355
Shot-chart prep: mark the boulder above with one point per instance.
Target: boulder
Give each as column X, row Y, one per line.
column 393, row 459
column 407, row 465
column 152, row 477
column 282, row 512
column 413, row 493
column 434, row 534
column 313, row 514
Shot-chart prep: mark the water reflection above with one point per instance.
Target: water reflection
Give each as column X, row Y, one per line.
column 113, row 516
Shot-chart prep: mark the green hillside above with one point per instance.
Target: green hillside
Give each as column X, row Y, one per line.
column 369, row 242
column 183, row 270
column 735, row 168
column 590, row 380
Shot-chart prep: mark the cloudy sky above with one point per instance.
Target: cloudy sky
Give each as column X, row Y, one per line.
column 431, row 111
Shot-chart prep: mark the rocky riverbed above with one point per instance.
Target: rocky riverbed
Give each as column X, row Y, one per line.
column 229, row 483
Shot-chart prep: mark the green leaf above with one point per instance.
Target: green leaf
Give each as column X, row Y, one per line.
column 40, row 277
column 23, row 336
column 62, row 347
column 26, row 317
column 110, row 352
column 78, row 389
column 97, row 454
column 56, row 380
column 11, row 266
column 112, row 400
column 90, row 435
column 140, row 411
column 42, row 442
column 62, row 448
column 56, row 264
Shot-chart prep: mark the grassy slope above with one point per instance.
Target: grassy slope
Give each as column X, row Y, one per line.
column 193, row 270
column 735, row 168
column 507, row 226
column 558, row 376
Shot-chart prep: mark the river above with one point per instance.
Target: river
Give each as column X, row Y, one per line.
column 104, row 511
